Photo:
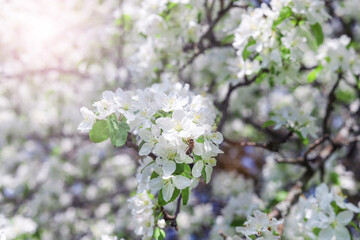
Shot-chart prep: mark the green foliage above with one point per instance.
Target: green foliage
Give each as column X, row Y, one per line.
column 268, row 123
column 334, row 178
column 228, row 39
column 99, row 131
column 345, row 96
column 246, row 53
column 154, row 175
column 118, row 131
column 159, row 234
column 161, row 200
column 318, row 33
column 185, row 193
column 203, row 174
column 311, row 77
column 285, row 13
column 201, row 139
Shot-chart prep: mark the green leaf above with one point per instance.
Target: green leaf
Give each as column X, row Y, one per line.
column 197, row 157
column 318, row 33
column 316, row 231
column 161, row 200
column 246, row 53
column 179, row 168
column 280, row 196
column 260, row 77
column 154, row 175
column 159, row 234
column 201, row 139
column 311, row 77
column 345, row 96
column 186, row 174
column 99, row 131
column 334, row 178
column 203, row 174
column 175, row 195
column 355, row 226
column 118, row 131
column 228, row 39
column 285, row 13
column 185, row 195
column 268, row 123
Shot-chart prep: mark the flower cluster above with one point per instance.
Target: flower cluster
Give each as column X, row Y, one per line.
column 142, row 210
column 296, row 121
column 322, row 216
column 175, row 127
column 260, row 227
column 276, row 38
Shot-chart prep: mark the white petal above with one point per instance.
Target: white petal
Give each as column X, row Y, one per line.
column 145, row 149
column 178, row 115
column 325, row 234
column 208, row 170
column 198, row 148
column 169, row 167
column 344, row 217
column 168, row 191
column 156, row 183
column 181, row 182
column 341, row 233
column 198, row 167
column 217, row 138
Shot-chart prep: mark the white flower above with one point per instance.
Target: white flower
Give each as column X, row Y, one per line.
column 337, row 228
column 89, row 120
column 161, row 223
column 260, row 225
column 168, row 184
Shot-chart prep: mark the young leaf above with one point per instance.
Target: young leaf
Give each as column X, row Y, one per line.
column 159, row 234
column 203, row 174
column 268, row 123
column 311, row 77
column 185, row 195
column 99, row 131
column 285, row 13
column 154, row 175
column 161, row 200
column 246, row 53
column 227, row 40
column 118, row 131
column 318, row 33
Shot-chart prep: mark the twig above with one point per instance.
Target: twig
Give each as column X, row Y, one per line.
column 329, row 106
column 172, row 218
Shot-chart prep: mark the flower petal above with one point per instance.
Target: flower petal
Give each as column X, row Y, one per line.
column 168, row 191
column 181, row 182
column 198, row 167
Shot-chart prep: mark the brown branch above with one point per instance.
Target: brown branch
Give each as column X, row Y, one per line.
column 172, row 218
column 130, row 143
column 330, row 105
column 199, row 46
column 224, row 105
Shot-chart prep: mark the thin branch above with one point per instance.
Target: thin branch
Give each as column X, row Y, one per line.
column 172, row 218
column 330, row 105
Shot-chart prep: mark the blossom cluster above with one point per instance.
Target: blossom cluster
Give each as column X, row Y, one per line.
column 325, row 215
column 276, row 38
column 142, row 208
column 173, row 126
column 260, row 227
